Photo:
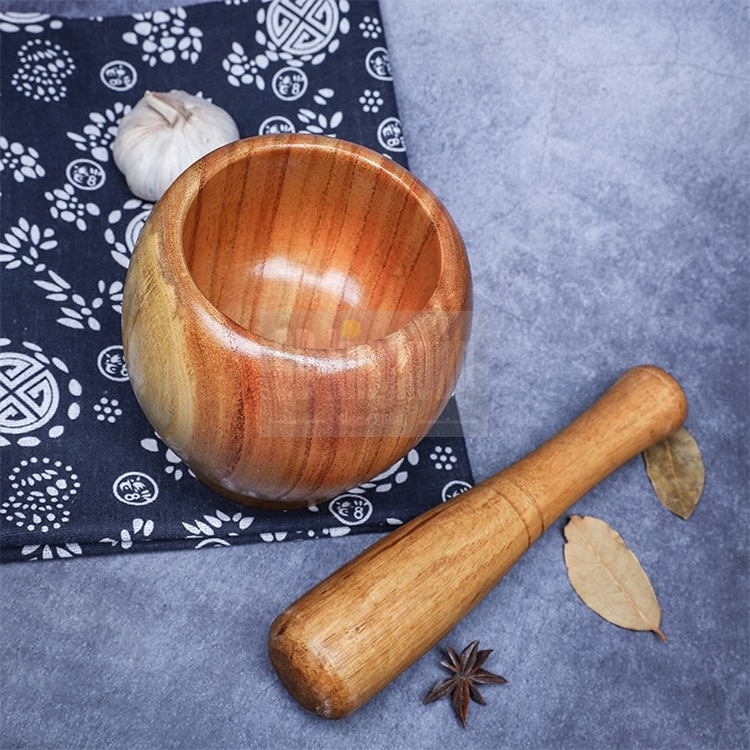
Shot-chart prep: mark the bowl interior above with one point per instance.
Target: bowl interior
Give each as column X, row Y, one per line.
column 313, row 247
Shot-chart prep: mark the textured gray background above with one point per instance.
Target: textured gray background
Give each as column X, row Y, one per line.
column 595, row 158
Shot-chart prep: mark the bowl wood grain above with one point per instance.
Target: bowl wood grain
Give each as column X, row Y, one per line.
column 295, row 317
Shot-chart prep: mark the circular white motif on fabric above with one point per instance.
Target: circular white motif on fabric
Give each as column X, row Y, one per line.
column 391, row 134
column 135, row 488
column 85, row 174
column 29, row 394
column 443, row 457
column 370, row 27
column 302, row 27
column 456, row 487
column 44, row 67
column 371, row 101
column 351, row 510
column 289, row 84
column 108, row 410
column 135, row 226
column 12, row 21
column 39, row 490
column 275, row 125
column 123, row 236
column 378, row 64
column 111, row 363
column 23, row 18
column 118, row 75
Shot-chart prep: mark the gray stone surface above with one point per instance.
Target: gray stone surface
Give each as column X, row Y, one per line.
column 595, row 158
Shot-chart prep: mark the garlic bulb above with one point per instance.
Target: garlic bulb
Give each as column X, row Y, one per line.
column 163, row 135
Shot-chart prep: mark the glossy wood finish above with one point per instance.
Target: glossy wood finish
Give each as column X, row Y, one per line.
column 348, row 637
column 295, row 317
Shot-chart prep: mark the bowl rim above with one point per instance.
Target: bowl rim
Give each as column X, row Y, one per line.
column 453, row 289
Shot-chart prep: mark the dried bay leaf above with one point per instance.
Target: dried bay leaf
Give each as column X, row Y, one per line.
column 676, row 471
column 608, row 577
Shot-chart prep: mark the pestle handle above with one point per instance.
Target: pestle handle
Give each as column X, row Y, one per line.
column 353, row 633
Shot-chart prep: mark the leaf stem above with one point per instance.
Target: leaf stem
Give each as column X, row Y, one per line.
column 658, row 632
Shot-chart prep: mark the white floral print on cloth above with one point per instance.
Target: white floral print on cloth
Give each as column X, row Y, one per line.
column 306, row 30
column 139, row 530
column 42, row 70
column 125, row 226
column 21, row 161
column 98, row 133
column 292, row 33
column 164, row 37
column 23, row 242
column 82, row 472
column 39, row 493
column 31, row 23
column 38, row 396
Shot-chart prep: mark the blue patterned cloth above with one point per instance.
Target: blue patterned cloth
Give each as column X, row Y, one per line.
column 83, row 472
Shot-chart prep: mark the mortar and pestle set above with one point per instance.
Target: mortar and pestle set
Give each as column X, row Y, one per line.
column 295, row 319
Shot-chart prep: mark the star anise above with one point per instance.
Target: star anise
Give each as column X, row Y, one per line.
column 467, row 674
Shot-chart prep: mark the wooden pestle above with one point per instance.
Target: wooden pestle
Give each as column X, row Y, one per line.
column 356, row 631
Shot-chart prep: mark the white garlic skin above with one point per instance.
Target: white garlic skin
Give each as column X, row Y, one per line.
column 163, row 135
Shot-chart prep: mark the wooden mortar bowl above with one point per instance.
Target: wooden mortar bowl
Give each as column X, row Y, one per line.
column 295, row 317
